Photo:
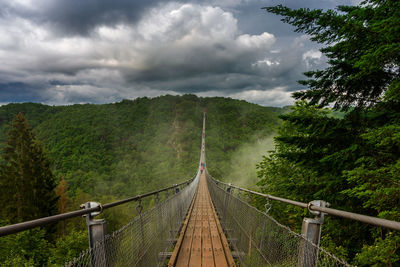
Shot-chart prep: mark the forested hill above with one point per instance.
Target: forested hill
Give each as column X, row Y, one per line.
column 130, row 147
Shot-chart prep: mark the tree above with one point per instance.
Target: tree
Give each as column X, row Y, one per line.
column 28, row 248
column 352, row 161
column 27, row 183
column 69, row 247
column 63, row 202
column 363, row 51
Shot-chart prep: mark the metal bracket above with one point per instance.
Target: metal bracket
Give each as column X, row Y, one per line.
column 267, row 206
column 318, row 203
column 89, row 205
column 228, row 189
column 139, row 207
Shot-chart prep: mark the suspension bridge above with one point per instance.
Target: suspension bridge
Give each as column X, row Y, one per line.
column 204, row 222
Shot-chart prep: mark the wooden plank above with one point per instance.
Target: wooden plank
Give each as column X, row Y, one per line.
column 185, row 250
column 195, row 256
column 219, row 254
column 208, row 254
column 178, row 245
column 202, row 241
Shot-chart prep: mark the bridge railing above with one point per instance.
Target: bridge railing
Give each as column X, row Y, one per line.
column 264, row 240
column 144, row 240
column 316, row 207
column 147, row 239
column 259, row 240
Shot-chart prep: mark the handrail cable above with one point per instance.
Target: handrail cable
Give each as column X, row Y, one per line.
column 18, row 227
column 394, row 225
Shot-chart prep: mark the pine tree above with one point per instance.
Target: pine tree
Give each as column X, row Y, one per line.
column 362, row 47
column 351, row 161
column 27, row 185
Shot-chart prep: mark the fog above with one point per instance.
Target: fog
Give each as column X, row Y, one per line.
column 243, row 170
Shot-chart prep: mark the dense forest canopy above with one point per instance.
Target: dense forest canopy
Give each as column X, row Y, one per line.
column 131, row 146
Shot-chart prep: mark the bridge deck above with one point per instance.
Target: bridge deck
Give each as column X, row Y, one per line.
column 202, row 241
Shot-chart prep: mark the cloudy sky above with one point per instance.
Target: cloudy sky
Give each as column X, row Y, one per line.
column 100, row 51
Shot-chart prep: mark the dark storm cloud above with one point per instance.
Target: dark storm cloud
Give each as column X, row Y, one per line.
column 63, row 52
column 80, row 17
column 9, row 92
column 261, row 77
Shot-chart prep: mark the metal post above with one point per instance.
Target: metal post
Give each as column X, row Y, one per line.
column 267, row 208
column 228, row 189
column 97, row 232
column 160, row 221
column 139, row 209
column 171, row 215
column 311, row 231
column 248, row 198
column 178, row 210
column 226, row 204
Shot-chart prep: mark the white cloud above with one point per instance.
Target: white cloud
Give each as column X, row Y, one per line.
column 167, row 36
column 278, row 96
column 175, row 48
column 20, row 4
column 266, row 62
column 313, row 54
column 312, row 57
column 265, row 40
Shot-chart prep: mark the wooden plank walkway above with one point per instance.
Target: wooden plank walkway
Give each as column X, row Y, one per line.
column 202, row 241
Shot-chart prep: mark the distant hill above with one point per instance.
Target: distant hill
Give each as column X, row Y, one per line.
column 130, row 147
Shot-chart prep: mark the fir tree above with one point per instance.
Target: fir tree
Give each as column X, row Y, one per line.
column 27, row 185
column 353, row 160
column 362, row 48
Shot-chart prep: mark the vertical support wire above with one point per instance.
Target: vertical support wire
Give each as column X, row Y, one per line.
column 139, row 209
column 267, row 208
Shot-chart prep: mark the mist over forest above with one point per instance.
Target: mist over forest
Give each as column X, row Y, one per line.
column 129, row 147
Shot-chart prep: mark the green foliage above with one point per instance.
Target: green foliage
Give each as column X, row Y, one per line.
column 349, row 159
column 362, row 47
column 28, row 248
column 353, row 163
column 26, row 184
column 376, row 177
column 130, row 147
column 381, row 253
column 69, row 247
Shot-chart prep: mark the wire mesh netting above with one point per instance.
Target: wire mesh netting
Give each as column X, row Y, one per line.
column 259, row 240
column 147, row 240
